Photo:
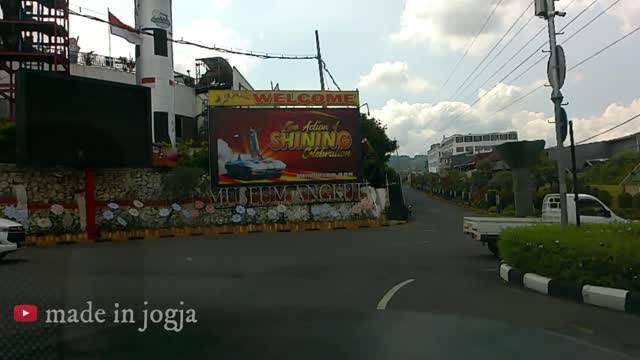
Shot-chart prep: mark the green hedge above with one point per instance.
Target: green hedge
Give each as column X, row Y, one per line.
column 603, row 255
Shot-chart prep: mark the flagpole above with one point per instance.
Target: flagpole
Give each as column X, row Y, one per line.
column 109, row 29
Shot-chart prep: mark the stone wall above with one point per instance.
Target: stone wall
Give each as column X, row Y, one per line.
column 52, row 201
column 129, row 184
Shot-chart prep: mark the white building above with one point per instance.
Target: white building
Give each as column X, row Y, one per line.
column 189, row 107
column 439, row 155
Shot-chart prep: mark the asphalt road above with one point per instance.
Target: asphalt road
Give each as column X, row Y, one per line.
column 302, row 295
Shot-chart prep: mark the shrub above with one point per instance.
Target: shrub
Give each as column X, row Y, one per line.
column 493, row 209
column 602, row 255
column 636, row 201
column 509, row 211
column 604, row 196
column 629, row 214
column 183, row 182
column 625, row 200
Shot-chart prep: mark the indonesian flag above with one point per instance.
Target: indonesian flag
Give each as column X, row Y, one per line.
column 118, row 28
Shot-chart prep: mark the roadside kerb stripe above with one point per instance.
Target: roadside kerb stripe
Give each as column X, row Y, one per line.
column 566, row 290
column 610, row 298
column 605, row 297
column 632, row 303
column 537, row 283
column 516, row 277
column 504, row 272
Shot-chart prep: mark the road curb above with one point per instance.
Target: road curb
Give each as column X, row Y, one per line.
column 154, row 234
column 610, row 298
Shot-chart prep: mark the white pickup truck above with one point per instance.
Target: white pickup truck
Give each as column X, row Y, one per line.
column 12, row 237
column 592, row 211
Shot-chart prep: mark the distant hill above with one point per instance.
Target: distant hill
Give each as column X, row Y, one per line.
column 406, row 163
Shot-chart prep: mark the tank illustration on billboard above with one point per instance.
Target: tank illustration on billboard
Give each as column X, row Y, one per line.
column 256, row 168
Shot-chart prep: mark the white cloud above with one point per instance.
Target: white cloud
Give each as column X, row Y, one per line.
column 418, row 125
column 392, row 75
column 452, row 24
column 185, row 56
column 221, row 4
column 613, row 115
column 94, row 36
column 629, row 13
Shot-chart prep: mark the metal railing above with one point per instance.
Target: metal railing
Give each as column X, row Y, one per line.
column 120, row 63
column 91, row 59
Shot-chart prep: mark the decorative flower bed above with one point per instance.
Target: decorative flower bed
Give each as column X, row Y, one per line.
column 116, row 217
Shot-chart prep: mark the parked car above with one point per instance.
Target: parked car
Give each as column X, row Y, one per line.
column 12, row 237
column 592, row 211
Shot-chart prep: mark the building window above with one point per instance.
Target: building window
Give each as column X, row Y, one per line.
column 468, row 139
column 469, row 149
column 504, row 137
column 488, row 148
column 459, row 149
column 479, row 149
column 486, row 138
column 494, row 138
column 513, row 136
column 459, row 139
column 477, row 138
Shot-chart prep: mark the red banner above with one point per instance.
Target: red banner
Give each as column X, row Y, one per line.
column 268, row 146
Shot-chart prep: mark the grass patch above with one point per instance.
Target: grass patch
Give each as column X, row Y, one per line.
column 602, row 255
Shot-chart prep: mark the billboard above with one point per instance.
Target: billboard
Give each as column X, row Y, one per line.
column 270, row 146
column 222, row 98
column 80, row 122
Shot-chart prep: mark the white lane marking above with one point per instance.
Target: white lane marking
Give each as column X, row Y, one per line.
column 387, row 297
column 490, row 270
column 422, row 242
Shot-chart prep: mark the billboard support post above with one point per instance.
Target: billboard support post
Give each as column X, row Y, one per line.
column 90, row 200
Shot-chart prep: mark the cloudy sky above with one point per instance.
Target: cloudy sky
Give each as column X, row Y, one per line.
column 400, row 53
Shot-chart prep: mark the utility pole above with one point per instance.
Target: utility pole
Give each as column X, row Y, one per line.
column 557, row 74
column 320, row 61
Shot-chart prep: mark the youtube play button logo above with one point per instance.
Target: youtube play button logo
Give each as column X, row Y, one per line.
column 25, row 313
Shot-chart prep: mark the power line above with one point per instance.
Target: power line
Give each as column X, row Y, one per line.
column 455, row 68
column 497, row 56
column 589, row 58
column 84, row 8
column 536, row 51
column 572, row 35
column 605, row 48
column 609, row 130
column 491, row 51
column 524, row 47
column 594, row 19
column 324, row 65
column 257, row 54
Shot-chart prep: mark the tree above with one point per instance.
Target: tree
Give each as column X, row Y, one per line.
column 613, row 171
column 190, row 155
column 625, row 200
column 377, row 151
column 545, row 172
column 483, row 173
